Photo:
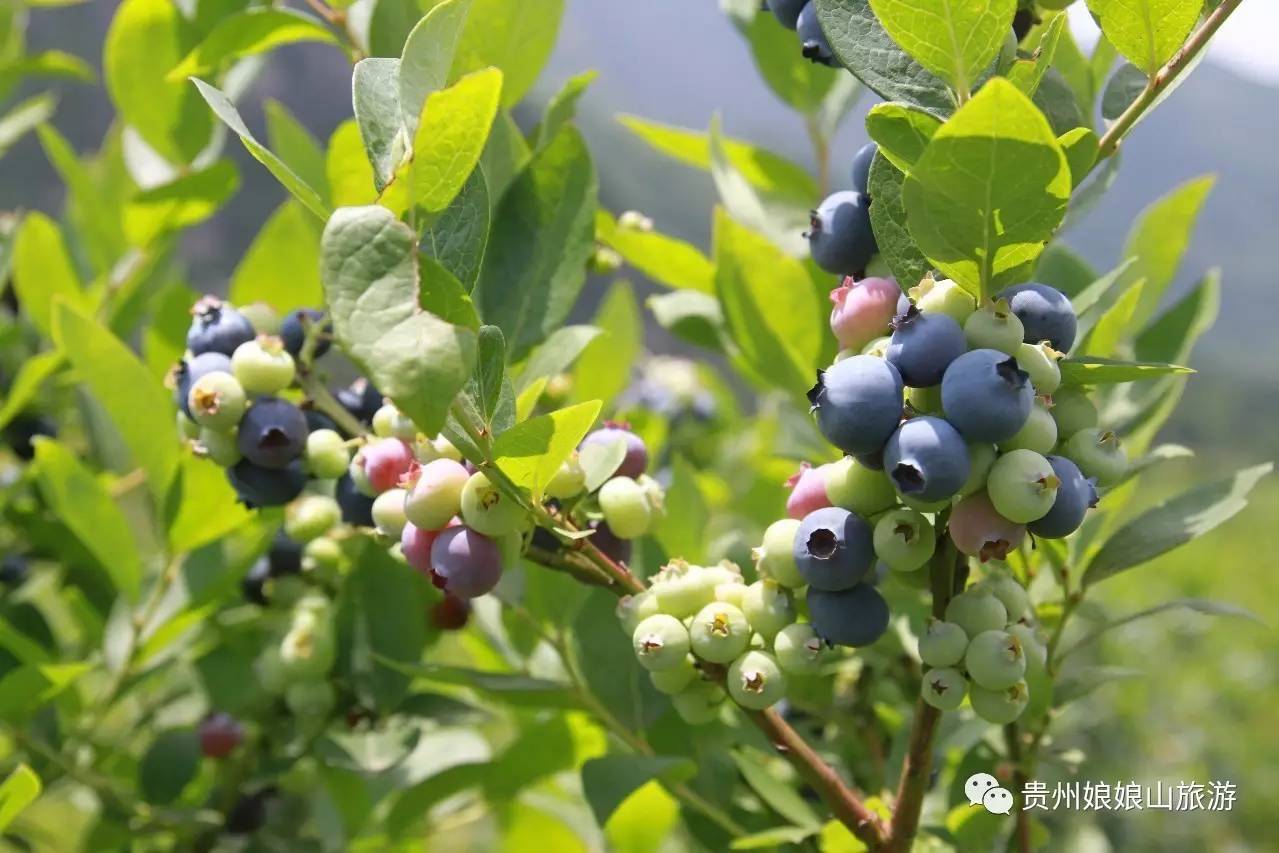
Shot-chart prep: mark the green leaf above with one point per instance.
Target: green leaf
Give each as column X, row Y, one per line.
column 247, row 33
column 24, row 117
column 390, row 24
column 226, row 111
column 561, row 108
column 666, row 260
column 450, row 137
column 1064, row 269
column 377, row 114
column 690, row 315
column 1056, row 100
column 1087, row 371
column 989, row 191
column 186, row 201
column 778, row 794
column 370, row 273
column 542, row 236
column 1124, row 86
column 20, row 789
column 140, row 408
column 347, row 168
column 1027, row 74
column 458, row 236
column 600, row 461
column 505, row 156
column 164, row 339
column 169, row 765
column 1195, row 605
column 428, row 56
column 147, row 39
column 1081, row 147
column 43, row 271
column 861, row 45
column 55, row 64
column 1159, row 240
column 32, row 687
column 902, row 131
column 889, row 221
column 1113, row 325
column 490, row 370
column 516, row 37
column 282, row 265
column 509, row 688
column 530, row 453
column 295, row 146
column 208, row 507
column 1087, row 196
column 79, row 501
column 608, row 780
column 1172, row 335
column 93, row 212
column 773, row 175
column 26, row 384
column 604, row 370
column 381, row 619
column 797, row 81
column 1091, row 302
column 1172, row 523
column 556, row 354
column 955, row 41
column 1146, row 32
column 770, row 305
column 782, row 223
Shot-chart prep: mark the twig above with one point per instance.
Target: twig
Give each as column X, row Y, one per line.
column 328, row 404
column 1012, row 738
column 1164, row 77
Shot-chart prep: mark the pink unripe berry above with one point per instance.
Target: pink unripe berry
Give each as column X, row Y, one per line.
column 415, row 544
column 385, row 462
column 808, row 491
column 863, row 310
column 437, row 495
column 979, row 531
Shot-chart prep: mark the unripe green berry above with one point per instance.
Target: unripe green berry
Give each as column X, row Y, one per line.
column 1073, row 411
column 1038, row 433
column 719, row 632
column 995, row 660
column 942, row 644
column 187, row 428
column 994, row 326
column 930, row 507
column 388, row 513
column 323, row 554
column 634, row 609
column 1022, row 486
column 326, row 454
column 798, row 649
column 755, row 681
column 390, row 422
column 310, row 699
column 263, row 366
column 271, row 673
column 217, row 401
column 878, row 347
column 220, row 447
column 681, row 594
column 308, row 649
column 731, row 592
column 943, row 688
column 1040, row 361
column 904, row 539
column 569, row 480
column 925, row 401
column 1000, row 707
column 776, row 557
column 1011, row 594
column 1098, row 455
column 1036, row 651
column 852, row 486
column 981, row 457
column 311, row 516
column 262, row 317
column 436, row 495
column 486, row 510
column 976, row 610
column 700, row 703
column 626, row 507
column 943, row 297
column 768, row 608
column 660, row 642
column 674, row 680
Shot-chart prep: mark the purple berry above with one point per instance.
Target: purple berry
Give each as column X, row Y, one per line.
column 469, row 563
column 787, row 11
column 361, row 399
column 636, row 460
column 357, row 507
column 839, row 234
column 272, row 433
column 220, row 734
column 861, row 167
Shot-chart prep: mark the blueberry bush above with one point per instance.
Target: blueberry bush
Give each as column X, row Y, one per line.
column 383, row 543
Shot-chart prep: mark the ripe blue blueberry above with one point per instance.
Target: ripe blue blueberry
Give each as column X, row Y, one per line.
column 190, row 371
column 923, row 346
column 986, row 395
column 850, row 617
column 253, row 584
column 813, row 41
column 839, row 235
column 858, row 403
column 361, row 399
column 834, row 548
column 927, row 459
column 13, row 570
column 259, row 486
column 861, row 167
column 1045, row 313
column 217, row 327
column 298, row 323
column 1075, row 495
column 787, row 11
column 272, row 433
column 357, row 507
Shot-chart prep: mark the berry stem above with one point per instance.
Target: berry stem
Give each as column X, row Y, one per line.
column 1021, row 835
column 327, row 403
column 1164, row 77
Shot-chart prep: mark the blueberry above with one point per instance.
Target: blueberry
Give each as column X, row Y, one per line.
column 357, row 507
column 863, row 310
column 943, row 296
column 415, row 546
column 13, row 570
column 861, row 167
column 262, row 366
column 904, row 539
column 813, row 41
column 942, row 644
column 272, row 433
column 850, row 617
column 253, row 584
column 610, row 544
column 873, row 460
column 624, row 504
column 858, row 488
column 384, row 463
column 1099, row 455
column 768, row 608
column 979, row 531
column 1022, row 486
column 999, row 706
column 361, row 400
column 285, row 556
column 986, row 395
column 327, row 456
column 388, row 513
column 673, row 681
column 1075, row 495
column 1040, row 362
column 798, row 649
column 216, row 401
column 994, row 326
column 1045, row 313
column 220, row 734
column 317, row 420
column 858, row 402
column 248, row 814
column 976, row 610
column 311, row 516
column 295, row 327
column 787, row 11
column 927, row 459
column 258, row 486
column 491, row 512
column 217, row 327
column 719, row 632
column 450, row 613
column 1039, row 433
column 944, row 688
column 636, row 460
column 808, row 490
column 189, row 371
column 699, row 704
column 995, row 660
column 834, row 548
column 923, row 346
column 1073, row 411
column 437, row 495
column 840, row 238
column 661, row 642
column 775, row 558
column 469, row 563
column 755, row 681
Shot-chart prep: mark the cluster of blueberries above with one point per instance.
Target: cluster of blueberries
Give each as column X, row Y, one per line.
column 703, row 633
column 236, row 391
column 801, row 15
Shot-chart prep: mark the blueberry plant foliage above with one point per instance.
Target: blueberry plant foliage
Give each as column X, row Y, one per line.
column 423, row 557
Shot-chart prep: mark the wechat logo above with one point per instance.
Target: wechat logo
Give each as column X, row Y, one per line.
column 982, row 789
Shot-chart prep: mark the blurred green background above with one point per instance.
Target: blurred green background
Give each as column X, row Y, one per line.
column 1193, row 695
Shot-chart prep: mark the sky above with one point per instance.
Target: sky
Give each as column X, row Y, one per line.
column 1245, row 44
